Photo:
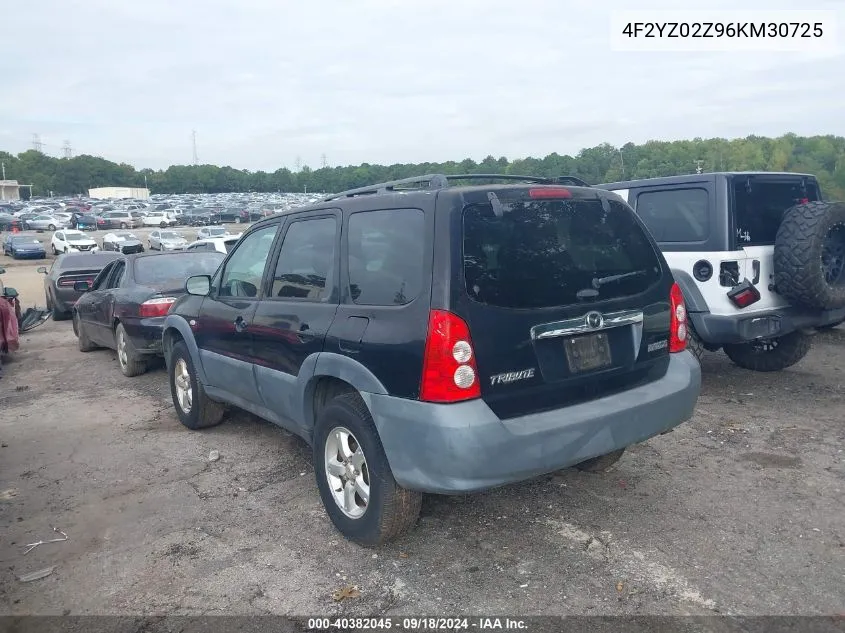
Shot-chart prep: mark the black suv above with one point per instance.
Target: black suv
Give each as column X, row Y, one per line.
column 425, row 335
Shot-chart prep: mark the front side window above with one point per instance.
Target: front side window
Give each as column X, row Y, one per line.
column 550, row 253
column 243, row 272
column 386, row 257
column 305, row 269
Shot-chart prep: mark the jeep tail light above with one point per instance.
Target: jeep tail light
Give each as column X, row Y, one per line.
column 449, row 371
column 157, row 307
column 678, row 326
column 546, row 193
column 744, row 294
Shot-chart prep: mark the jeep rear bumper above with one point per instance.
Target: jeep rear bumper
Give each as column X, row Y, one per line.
column 716, row 330
column 465, row 447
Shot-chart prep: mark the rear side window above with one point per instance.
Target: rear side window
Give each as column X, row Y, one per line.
column 305, row 269
column 555, row 252
column 386, row 256
column 675, row 215
column 759, row 205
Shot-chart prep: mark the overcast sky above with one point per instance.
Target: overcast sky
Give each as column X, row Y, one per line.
column 266, row 81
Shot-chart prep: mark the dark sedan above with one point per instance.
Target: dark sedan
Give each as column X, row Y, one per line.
column 125, row 306
column 9, row 222
column 23, row 247
column 200, row 217
column 66, row 270
column 88, row 222
column 122, row 242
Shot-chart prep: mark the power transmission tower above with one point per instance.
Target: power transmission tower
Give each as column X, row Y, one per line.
column 194, row 145
column 37, row 145
column 699, row 166
column 298, row 164
column 324, row 161
column 67, row 149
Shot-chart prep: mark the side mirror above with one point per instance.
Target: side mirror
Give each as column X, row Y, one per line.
column 10, row 292
column 2, row 270
column 42, row 270
column 81, row 286
column 199, row 285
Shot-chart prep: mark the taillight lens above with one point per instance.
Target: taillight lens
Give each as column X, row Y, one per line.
column 678, row 326
column 546, row 193
column 157, row 307
column 449, row 370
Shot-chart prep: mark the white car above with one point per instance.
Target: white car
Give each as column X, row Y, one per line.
column 159, row 218
column 72, row 241
column 207, row 232
column 218, row 244
column 166, row 241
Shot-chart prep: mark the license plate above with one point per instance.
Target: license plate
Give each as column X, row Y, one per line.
column 587, row 353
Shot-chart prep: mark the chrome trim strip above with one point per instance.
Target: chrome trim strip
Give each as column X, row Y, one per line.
column 578, row 325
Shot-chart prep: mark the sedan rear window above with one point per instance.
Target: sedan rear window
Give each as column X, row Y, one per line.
column 176, row 266
column 555, row 252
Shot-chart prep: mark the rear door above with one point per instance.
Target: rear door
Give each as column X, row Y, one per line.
column 103, row 308
column 224, row 332
column 301, row 299
column 757, row 203
column 567, row 298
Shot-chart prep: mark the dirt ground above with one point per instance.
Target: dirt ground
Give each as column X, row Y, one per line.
column 738, row 511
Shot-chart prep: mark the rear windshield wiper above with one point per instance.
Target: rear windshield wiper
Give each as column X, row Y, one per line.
column 598, row 282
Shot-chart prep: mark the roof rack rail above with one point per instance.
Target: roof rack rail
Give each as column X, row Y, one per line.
column 441, row 181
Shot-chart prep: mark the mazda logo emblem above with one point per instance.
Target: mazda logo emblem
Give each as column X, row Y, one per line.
column 594, row 320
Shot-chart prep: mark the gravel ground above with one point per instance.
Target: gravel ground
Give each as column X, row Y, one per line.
column 738, row 511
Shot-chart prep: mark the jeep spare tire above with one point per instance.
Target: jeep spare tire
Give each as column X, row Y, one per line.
column 809, row 255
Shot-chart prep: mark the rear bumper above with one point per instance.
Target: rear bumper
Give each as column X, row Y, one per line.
column 465, row 447
column 29, row 254
column 145, row 335
column 720, row 330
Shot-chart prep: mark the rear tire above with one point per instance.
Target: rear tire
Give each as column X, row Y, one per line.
column 82, row 340
column 771, row 354
column 163, row 225
column 199, row 411
column 130, row 363
column 59, row 315
column 344, row 427
column 602, row 463
column 694, row 344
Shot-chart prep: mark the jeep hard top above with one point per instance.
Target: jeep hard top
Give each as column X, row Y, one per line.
column 439, row 335
column 759, row 256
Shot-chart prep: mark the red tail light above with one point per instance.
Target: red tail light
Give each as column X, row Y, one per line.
column 678, row 326
column 449, row 370
column 545, row 193
column 157, row 307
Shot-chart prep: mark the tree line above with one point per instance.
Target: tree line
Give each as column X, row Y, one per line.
column 823, row 156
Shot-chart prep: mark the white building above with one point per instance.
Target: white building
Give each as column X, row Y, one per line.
column 102, row 193
column 11, row 190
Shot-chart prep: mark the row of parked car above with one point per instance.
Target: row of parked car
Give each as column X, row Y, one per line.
column 483, row 335
column 211, row 238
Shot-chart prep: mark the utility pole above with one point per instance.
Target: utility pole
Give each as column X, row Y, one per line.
column 194, row 144
column 67, row 149
column 37, row 145
column 4, row 169
column 622, row 160
column 699, row 166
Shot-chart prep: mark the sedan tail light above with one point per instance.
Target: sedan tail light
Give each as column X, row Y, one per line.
column 157, row 307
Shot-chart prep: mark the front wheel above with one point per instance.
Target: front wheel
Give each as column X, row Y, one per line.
column 193, row 407
column 770, row 354
column 123, row 225
column 163, row 225
column 52, row 227
column 238, row 220
column 55, row 252
column 82, row 340
column 356, row 485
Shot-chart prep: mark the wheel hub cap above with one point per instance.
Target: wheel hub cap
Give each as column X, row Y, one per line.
column 182, row 385
column 346, row 472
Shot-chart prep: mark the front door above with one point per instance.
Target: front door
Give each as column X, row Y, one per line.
column 300, row 303
column 224, row 328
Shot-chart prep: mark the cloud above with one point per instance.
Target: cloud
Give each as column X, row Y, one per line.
column 264, row 82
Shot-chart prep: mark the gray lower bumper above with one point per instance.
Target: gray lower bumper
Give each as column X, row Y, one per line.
column 465, row 447
column 717, row 330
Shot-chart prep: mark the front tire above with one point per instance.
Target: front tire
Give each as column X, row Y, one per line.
column 130, row 363
column 771, row 354
column 123, row 225
column 163, row 225
column 193, row 407
column 52, row 227
column 357, row 487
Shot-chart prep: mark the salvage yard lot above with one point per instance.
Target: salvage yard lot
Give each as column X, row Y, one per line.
column 737, row 511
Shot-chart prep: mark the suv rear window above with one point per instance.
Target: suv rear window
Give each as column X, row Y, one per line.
column 759, row 205
column 544, row 253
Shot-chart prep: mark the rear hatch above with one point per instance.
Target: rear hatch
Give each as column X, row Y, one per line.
column 567, row 298
column 758, row 202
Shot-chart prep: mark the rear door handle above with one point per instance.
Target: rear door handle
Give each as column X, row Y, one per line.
column 240, row 324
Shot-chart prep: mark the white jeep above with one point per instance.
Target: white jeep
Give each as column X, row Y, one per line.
column 759, row 256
